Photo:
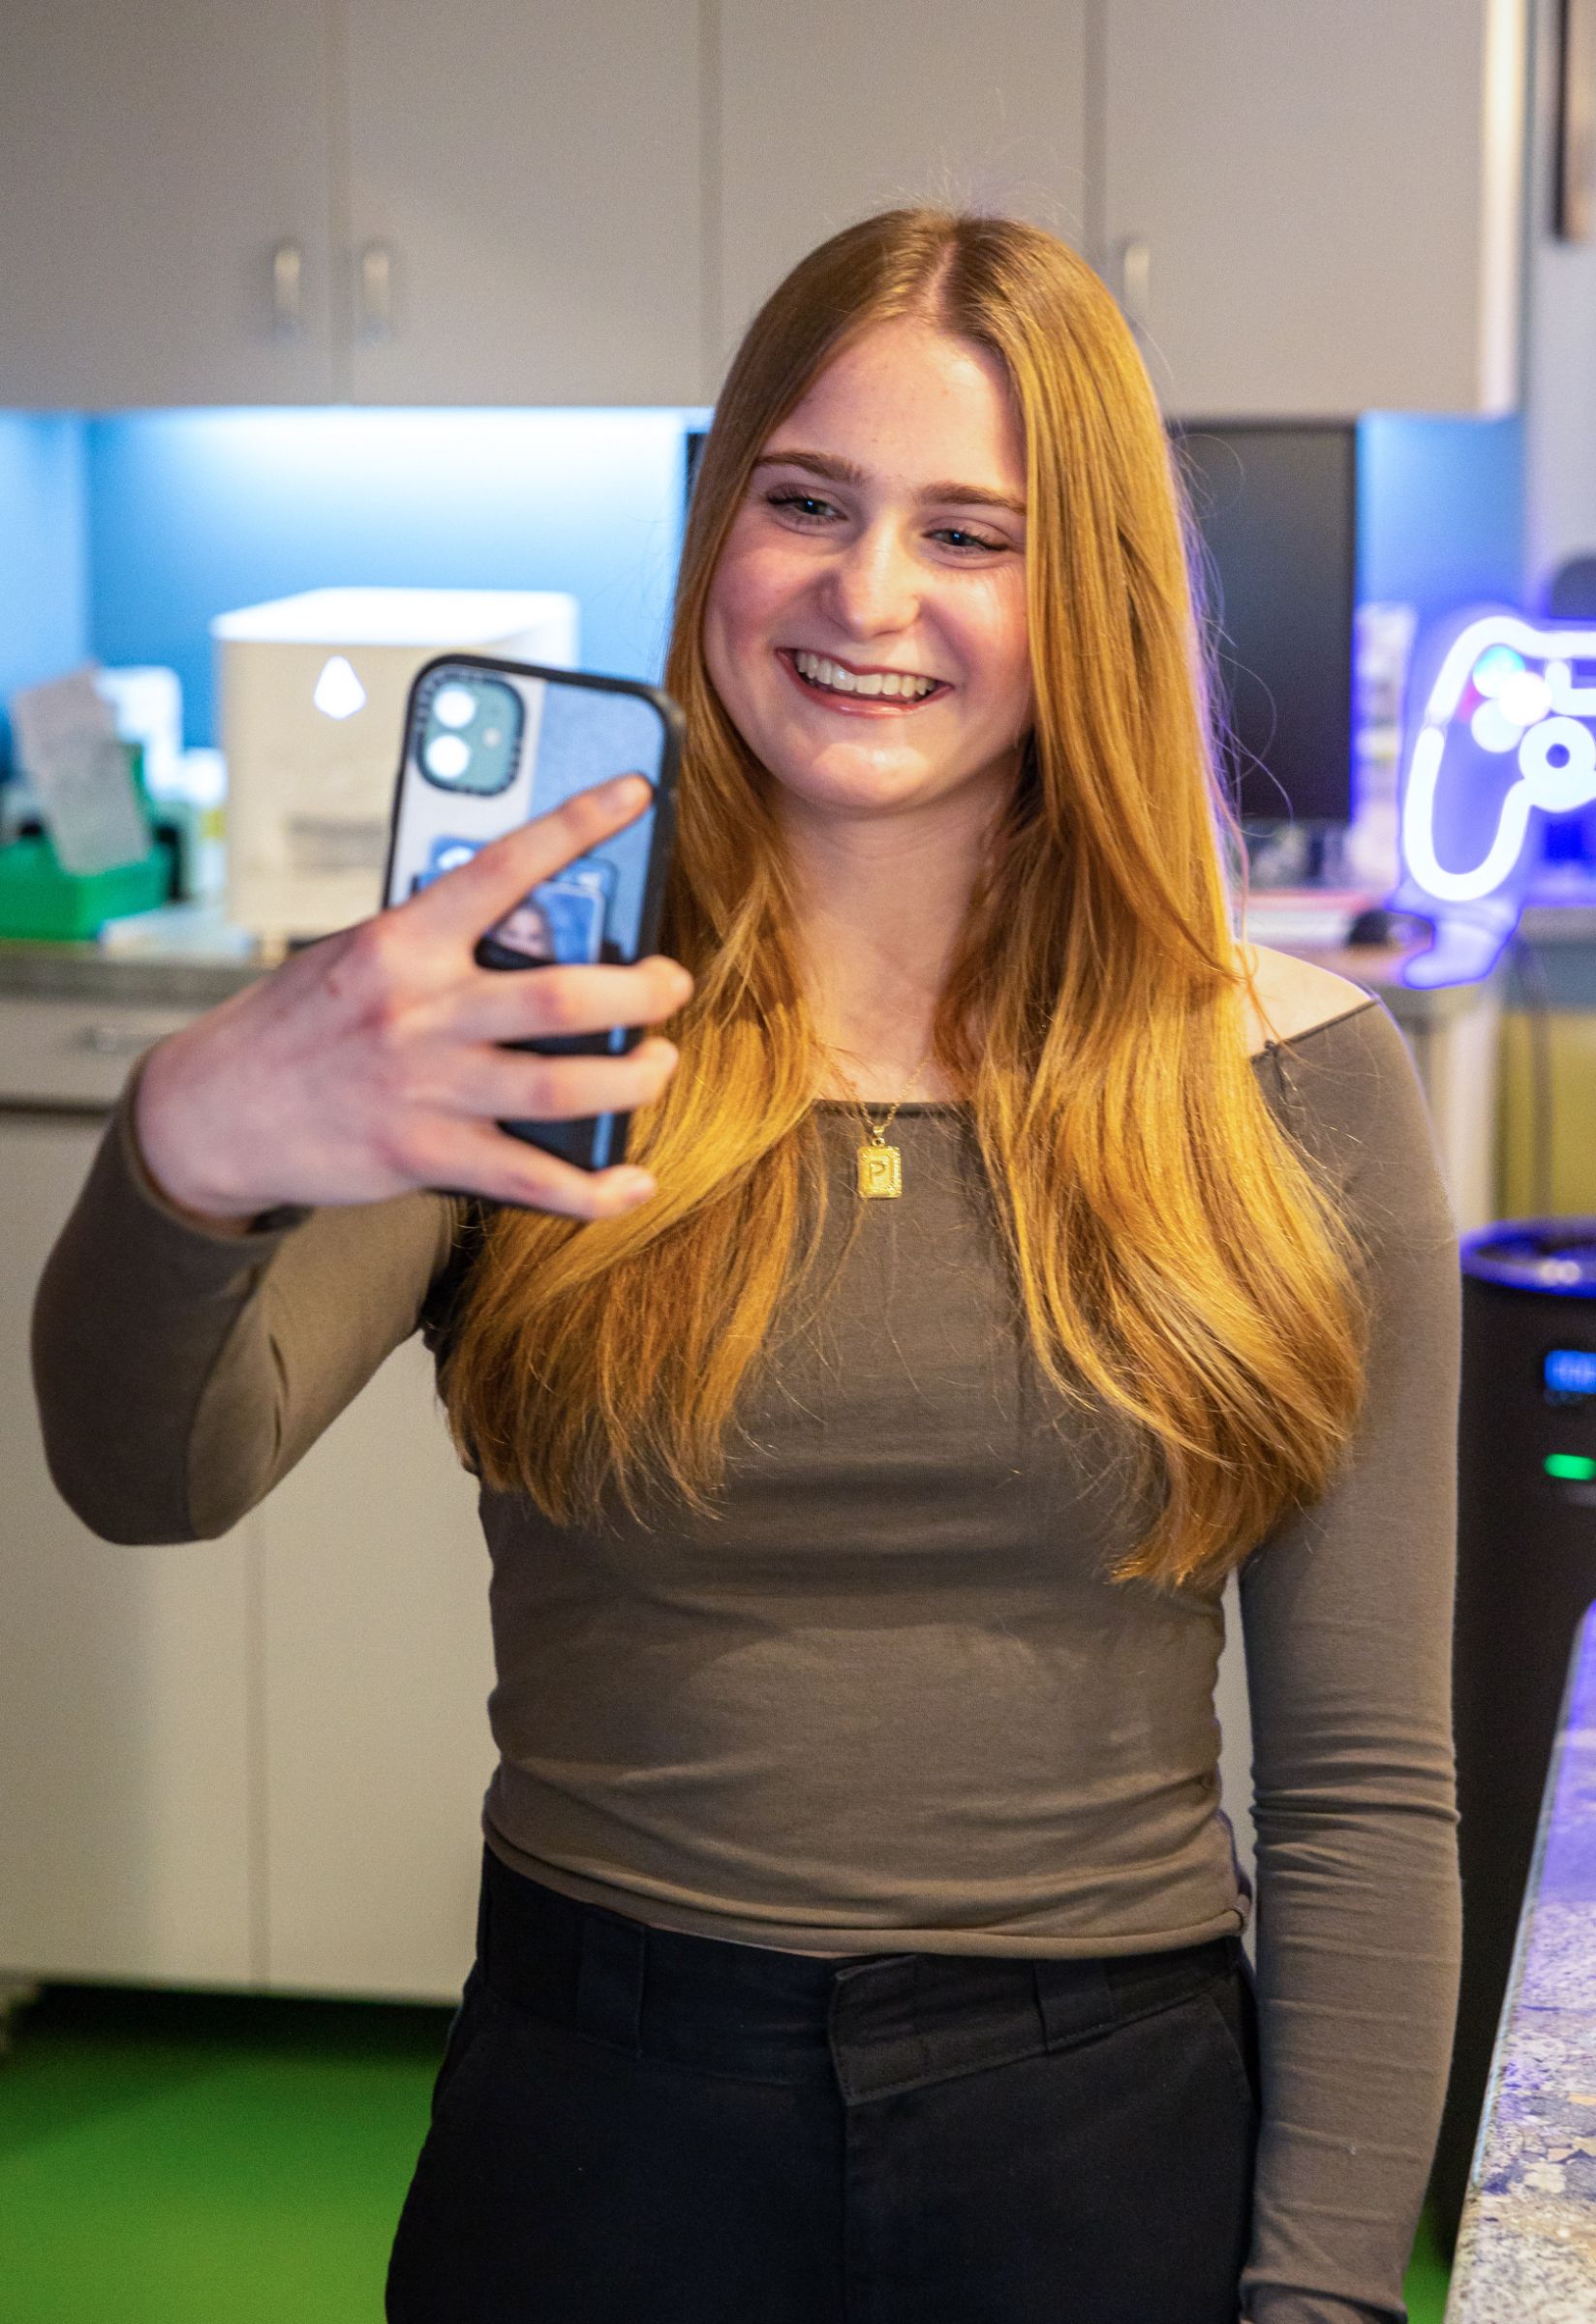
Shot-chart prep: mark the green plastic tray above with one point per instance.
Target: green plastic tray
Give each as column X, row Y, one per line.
column 39, row 900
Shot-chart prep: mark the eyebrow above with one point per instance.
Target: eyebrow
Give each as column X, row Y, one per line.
column 847, row 471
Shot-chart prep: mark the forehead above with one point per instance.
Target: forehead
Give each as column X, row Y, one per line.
column 906, row 400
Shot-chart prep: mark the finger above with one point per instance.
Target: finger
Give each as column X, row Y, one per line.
column 475, row 1158
column 467, row 900
column 517, row 1005
column 506, row 1087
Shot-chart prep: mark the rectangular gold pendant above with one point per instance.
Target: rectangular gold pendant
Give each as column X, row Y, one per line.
column 880, row 1172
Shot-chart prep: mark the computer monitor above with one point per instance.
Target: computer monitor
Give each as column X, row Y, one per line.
column 1276, row 504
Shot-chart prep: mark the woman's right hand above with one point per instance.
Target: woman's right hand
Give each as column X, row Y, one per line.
column 370, row 1063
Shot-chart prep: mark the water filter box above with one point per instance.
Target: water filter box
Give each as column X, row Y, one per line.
column 313, row 690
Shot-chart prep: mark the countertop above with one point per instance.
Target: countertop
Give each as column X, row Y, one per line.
column 189, row 956
column 1527, row 2244
column 184, row 957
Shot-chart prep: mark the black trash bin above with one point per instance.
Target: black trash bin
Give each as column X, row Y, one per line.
column 1526, row 1574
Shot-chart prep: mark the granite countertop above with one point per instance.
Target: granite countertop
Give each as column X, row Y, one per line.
column 1527, row 2244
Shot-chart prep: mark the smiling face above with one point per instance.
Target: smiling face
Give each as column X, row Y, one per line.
column 865, row 625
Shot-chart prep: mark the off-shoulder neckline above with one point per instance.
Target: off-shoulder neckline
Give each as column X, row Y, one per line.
column 955, row 1105
column 1370, row 1000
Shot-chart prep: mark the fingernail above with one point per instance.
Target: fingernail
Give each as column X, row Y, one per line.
column 635, row 1186
column 624, row 790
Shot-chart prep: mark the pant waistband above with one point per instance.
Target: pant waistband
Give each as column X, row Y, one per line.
column 885, row 2023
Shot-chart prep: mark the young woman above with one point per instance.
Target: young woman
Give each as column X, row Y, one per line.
column 1017, row 1256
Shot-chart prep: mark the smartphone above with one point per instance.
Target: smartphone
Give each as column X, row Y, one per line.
column 488, row 744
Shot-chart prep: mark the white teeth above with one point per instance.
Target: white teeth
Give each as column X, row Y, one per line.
column 895, row 685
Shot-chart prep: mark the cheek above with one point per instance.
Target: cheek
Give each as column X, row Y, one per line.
column 1001, row 650
column 720, row 631
column 733, row 619
column 752, row 583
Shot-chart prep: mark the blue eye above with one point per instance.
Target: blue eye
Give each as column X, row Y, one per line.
column 805, row 504
column 957, row 538
column 809, row 508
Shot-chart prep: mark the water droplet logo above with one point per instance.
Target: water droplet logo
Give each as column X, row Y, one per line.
column 339, row 694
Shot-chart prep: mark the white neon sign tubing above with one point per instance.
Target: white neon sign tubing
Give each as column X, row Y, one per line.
column 1555, row 789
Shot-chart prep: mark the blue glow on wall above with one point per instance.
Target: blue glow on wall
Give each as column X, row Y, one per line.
column 1440, row 511
column 44, row 592
column 124, row 535
column 193, row 513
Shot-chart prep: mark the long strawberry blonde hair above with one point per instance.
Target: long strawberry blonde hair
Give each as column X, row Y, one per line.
column 1175, row 1257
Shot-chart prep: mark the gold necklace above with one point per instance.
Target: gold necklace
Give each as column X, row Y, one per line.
column 881, row 1166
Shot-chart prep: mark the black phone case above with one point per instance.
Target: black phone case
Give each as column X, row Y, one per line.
column 597, row 1140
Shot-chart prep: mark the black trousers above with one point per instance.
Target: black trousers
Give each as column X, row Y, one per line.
column 635, row 2127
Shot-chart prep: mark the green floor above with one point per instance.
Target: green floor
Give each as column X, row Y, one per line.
column 179, row 2159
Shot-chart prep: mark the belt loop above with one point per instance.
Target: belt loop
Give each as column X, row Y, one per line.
column 1078, row 2002
column 609, row 1980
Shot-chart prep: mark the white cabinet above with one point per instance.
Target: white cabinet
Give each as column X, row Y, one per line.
column 125, row 1712
column 376, row 1666
column 1308, row 207
column 524, row 203
column 257, row 1762
column 164, row 204
column 1314, row 207
column 375, row 200
column 831, row 111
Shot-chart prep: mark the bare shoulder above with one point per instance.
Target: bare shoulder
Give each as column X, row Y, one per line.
column 1294, row 996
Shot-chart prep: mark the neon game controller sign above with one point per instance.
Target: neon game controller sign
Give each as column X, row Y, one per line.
column 1508, row 725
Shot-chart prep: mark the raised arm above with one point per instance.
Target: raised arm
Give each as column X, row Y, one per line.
column 182, row 1369
column 256, row 1232
column 1347, row 1615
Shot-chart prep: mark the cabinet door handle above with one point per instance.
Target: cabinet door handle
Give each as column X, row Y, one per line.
column 288, row 291
column 1135, row 292
column 376, row 292
column 116, row 1040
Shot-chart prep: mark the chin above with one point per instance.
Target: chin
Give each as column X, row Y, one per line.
column 847, row 779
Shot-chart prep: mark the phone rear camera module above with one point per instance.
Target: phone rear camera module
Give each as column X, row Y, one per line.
column 471, row 728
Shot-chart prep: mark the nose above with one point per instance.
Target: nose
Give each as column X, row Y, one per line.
column 873, row 587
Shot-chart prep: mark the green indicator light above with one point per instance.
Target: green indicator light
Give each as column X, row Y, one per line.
column 1570, row 1464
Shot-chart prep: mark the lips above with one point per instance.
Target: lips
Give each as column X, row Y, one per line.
column 875, row 706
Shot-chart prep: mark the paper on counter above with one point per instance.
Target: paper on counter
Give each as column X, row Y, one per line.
column 66, row 741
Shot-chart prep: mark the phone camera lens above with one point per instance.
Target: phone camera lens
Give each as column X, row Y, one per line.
column 455, row 706
column 447, row 757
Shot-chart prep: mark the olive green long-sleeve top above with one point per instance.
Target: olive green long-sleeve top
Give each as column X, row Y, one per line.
column 885, row 1699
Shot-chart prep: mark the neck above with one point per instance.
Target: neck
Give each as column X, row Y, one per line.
column 880, row 903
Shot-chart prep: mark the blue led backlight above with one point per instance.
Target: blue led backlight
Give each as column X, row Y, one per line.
column 1570, row 1372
